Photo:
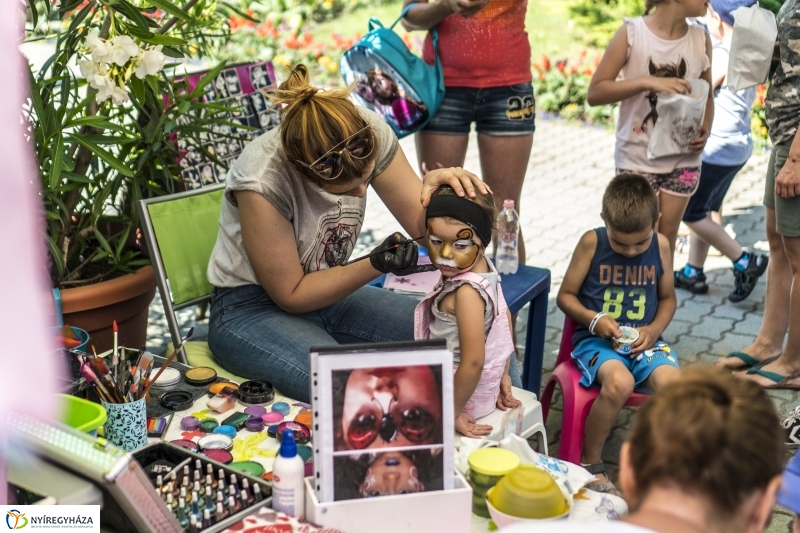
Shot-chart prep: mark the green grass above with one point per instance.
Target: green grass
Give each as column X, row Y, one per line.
column 547, row 23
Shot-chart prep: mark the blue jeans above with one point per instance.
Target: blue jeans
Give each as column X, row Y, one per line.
column 254, row 338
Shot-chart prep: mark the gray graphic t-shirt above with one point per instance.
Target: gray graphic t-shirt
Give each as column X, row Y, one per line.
column 326, row 226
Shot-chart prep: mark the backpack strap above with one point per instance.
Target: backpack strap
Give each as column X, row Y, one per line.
column 434, row 33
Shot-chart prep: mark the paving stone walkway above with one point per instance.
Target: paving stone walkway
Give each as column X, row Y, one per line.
column 567, row 174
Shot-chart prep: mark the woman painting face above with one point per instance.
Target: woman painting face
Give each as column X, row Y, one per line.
column 392, row 407
column 391, row 473
column 452, row 246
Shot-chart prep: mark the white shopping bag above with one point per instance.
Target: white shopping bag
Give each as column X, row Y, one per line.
column 679, row 117
column 752, row 45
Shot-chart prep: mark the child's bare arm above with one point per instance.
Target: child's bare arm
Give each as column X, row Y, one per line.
column 469, row 310
column 506, row 397
column 667, row 302
column 604, row 87
column 577, row 271
column 698, row 143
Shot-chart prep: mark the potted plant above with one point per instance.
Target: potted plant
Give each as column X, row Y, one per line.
column 103, row 117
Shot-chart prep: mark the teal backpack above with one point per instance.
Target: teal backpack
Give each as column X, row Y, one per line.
column 400, row 87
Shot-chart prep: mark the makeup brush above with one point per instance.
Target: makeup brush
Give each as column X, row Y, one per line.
column 166, row 363
column 91, row 377
column 376, row 252
column 115, row 353
column 104, row 376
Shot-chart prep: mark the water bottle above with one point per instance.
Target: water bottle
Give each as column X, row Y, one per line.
column 507, row 259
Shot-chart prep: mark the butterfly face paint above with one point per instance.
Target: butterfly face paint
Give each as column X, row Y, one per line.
column 451, row 246
column 391, row 473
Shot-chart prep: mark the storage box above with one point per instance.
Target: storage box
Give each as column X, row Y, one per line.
column 423, row 512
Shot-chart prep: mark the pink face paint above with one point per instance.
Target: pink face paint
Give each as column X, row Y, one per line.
column 272, row 417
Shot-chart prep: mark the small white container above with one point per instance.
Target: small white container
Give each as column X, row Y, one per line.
column 288, row 492
column 623, row 345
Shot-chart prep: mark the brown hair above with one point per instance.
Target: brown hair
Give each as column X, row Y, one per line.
column 372, row 75
column 314, row 120
column 710, row 433
column 650, row 4
column 484, row 201
column 630, row 204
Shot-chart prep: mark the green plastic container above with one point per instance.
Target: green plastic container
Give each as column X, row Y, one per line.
column 81, row 414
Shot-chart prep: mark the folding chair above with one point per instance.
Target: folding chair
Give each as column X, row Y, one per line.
column 180, row 231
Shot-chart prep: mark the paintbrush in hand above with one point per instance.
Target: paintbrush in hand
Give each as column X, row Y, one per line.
column 166, row 363
column 377, row 252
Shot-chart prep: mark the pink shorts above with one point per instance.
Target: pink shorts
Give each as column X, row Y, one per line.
column 679, row 182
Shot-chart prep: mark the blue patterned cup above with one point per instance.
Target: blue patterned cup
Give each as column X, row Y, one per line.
column 126, row 425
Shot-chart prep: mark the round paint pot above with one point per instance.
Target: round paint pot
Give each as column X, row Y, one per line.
column 207, row 425
column 228, row 431
column 302, row 435
column 303, row 418
column 221, row 456
column 272, row 431
column 255, row 410
column 281, row 407
column 305, row 452
column 254, row 424
column 185, row 443
column 190, row 423
column 255, row 392
column 215, row 441
column 272, row 417
column 201, row 375
column 168, row 378
column 177, row 400
column 217, row 387
column 248, row 467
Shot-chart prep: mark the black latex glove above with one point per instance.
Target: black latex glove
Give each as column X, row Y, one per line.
column 399, row 256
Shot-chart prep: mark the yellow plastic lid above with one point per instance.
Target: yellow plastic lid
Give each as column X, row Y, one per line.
column 493, row 461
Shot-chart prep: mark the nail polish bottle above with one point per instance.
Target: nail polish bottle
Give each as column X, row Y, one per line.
column 220, row 512
column 170, row 502
column 221, row 475
column 221, row 485
column 182, row 520
column 232, row 508
column 198, row 465
column 244, row 498
column 234, row 487
column 211, row 504
column 246, row 490
column 159, row 483
column 210, row 469
column 210, row 482
column 195, row 503
column 257, row 497
column 184, row 493
column 196, row 477
column 206, row 518
column 193, row 524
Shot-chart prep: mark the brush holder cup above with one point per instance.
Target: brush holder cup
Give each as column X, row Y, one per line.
column 126, row 425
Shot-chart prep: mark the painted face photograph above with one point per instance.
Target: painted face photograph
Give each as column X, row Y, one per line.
column 371, row 475
column 388, row 407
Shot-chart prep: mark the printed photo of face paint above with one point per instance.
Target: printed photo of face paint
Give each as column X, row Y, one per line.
column 388, row 407
column 370, row 475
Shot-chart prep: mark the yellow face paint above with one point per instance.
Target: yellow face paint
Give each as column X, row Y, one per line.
column 451, row 251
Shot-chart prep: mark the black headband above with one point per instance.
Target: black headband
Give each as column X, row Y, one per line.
column 463, row 210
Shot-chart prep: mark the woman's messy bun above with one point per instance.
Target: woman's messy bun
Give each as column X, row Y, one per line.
column 710, row 433
column 313, row 120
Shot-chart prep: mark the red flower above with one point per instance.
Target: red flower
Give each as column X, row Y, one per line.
column 545, row 62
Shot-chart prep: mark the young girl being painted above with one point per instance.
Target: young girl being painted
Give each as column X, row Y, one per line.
column 657, row 53
column 467, row 307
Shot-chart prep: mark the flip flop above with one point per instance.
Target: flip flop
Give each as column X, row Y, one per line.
column 780, row 380
column 748, row 360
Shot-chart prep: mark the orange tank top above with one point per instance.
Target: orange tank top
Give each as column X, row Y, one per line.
column 489, row 49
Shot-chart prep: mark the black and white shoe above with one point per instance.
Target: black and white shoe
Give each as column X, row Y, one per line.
column 745, row 280
column 792, row 426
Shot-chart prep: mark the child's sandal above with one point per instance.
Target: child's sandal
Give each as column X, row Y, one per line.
column 608, row 487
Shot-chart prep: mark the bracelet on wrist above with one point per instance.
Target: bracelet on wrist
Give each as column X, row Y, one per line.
column 595, row 320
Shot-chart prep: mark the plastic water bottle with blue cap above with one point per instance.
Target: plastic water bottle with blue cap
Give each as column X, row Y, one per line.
column 507, row 259
column 288, row 492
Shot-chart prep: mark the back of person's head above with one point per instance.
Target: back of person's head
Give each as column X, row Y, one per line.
column 313, row 121
column 630, row 204
column 484, row 201
column 725, row 8
column 708, row 434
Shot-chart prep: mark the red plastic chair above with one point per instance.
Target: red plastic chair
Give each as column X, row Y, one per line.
column 577, row 398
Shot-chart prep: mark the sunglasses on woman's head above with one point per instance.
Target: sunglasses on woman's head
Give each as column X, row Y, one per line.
column 330, row 165
column 416, row 424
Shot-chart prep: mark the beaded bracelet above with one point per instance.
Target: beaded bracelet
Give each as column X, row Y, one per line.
column 594, row 321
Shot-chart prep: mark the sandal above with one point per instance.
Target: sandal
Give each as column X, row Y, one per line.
column 745, row 280
column 781, row 381
column 748, row 360
column 608, row 487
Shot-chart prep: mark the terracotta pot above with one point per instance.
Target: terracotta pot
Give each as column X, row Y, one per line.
column 125, row 299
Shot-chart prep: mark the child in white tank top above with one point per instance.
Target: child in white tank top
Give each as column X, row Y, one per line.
column 656, row 53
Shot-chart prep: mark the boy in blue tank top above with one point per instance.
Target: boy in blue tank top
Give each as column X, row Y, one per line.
column 616, row 278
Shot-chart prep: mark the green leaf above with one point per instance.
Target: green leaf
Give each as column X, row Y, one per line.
column 152, row 81
column 206, row 79
column 103, row 154
column 172, row 52
column 170, row 8
column 55, row 254
column 76, row 178
column 133, row 14
column 78, row 19
column 138, row 88
column 103, row 242
column 99, row 256
column 165, row 40
column 58, row 154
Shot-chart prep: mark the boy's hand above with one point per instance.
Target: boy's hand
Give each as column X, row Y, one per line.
column 647, row 339
column 506, row 398
column 467, row 426
column 607, row 328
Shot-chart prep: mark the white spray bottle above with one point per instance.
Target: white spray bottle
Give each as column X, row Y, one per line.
column 288, row 492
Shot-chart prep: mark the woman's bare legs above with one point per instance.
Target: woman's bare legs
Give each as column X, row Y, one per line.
column 436, row 150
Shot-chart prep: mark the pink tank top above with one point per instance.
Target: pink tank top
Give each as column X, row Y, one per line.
column 651, row 55
column 499, row 344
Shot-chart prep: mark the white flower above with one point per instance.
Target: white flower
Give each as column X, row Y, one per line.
column 99, row 48
column 105, row 87
column 122, row 49
column 90, row 69
column 149, row 62
column 120, row 95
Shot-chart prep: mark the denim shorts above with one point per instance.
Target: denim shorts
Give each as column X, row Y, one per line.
column 498, row 111
column 590, row 354
column 714, row 183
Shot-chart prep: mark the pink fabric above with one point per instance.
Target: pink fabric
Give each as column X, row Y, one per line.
column 499, row 344
column 28, row 344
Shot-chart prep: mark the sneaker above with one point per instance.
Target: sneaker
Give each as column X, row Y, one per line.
column 792, row 426
column 696, row 284
column 745, row 280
